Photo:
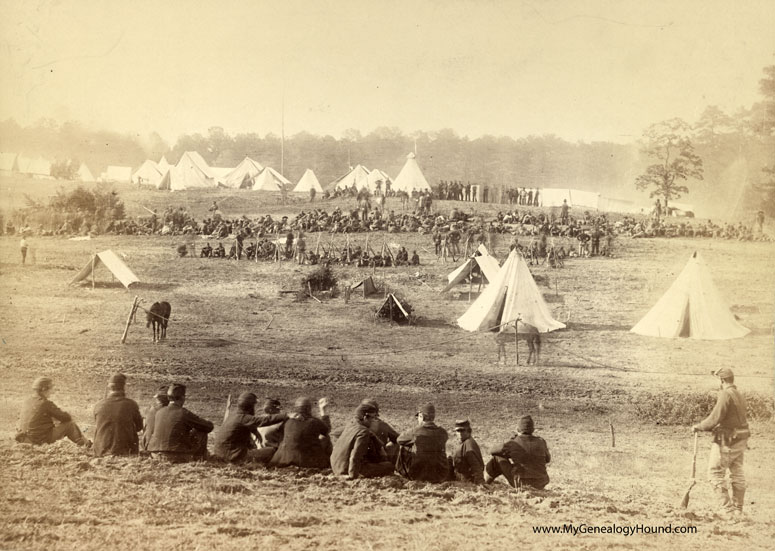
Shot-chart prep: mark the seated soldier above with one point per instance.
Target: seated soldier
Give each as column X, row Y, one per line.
column 36, row 420
column 219, row 252
column 415, row 259
column 160, row 400
column 207, row 251
column 306, row 441
column 402, row 257
column 234, row 440
column 386, row 434
column 521, row 460
column 271, row 435
column 426, row 455
column 358, row 451
column 467, row 463
column 118, row 421
column 178, row 434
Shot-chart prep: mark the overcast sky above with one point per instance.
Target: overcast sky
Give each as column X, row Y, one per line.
column 585, row 70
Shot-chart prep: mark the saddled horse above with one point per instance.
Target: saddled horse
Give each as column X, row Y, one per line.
column 159, row 316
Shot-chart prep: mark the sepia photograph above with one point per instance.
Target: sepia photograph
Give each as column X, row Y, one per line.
column 409, row 275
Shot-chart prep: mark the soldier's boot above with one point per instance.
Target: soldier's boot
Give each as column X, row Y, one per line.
column 725, row 505
column 738, row 498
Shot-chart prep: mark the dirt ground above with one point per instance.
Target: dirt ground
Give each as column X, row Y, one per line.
column 232, row 330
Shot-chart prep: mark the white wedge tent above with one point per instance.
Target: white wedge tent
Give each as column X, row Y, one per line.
column 358, row 176
column 308, row 181
column 84, row 174
column 113, row 263
column 163, row 164
column 488, row 265
column 512, row 294
column 245, row 171
column 411, row 177
column 270, row 180
column 692, row 307
column 191, row 172
column 148, row 173
column 375, row 176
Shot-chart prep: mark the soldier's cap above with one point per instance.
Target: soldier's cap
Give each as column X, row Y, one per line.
column 42, row 383
column 371, row 402
column 363, row 410
column 427, row 410
column 247, row 400
column 723, row 373
column 161, row 392
column 303, row 406
column 462, row 425
column 176, row 391
column 117, row 380
column 526, row 425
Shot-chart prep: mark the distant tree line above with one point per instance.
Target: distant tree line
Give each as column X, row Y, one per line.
column 736, row 153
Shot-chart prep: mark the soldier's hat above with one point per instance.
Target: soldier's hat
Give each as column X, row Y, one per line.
column 462, row 425
column 42, row 383
column 526, row 425
column 176, row 391
column 117, row 381
column 427, row 410
column 723, row 373
column 247, row 400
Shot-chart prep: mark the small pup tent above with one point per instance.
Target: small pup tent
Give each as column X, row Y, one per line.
column 113, row 263
column 308, row 181
column 488, row 265
column 393, row 310
column 692, row 307
column 512, row 294
column 367, row 286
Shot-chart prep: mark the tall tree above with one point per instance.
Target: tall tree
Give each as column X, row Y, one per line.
column 668, row 142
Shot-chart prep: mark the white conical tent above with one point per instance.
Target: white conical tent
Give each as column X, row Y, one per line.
column 512, row 294
column 270, row 180
column 411, row 177
column 308, row 181
column 246, row 170
column 148, row 173
column 163, row 164
column 488, row 265
column 358, row 176
column 692, row 307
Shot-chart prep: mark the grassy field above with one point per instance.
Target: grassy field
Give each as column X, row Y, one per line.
column 232, row 330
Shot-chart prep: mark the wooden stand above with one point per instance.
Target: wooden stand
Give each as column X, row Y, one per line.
column 135, row 304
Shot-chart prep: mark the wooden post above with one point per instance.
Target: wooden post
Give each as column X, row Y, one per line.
column 237, row 249
column 516, row 339
column 129, row 320
column 613, row 436
column 470, row 276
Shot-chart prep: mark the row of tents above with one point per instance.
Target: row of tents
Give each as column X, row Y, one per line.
column 193, row 172
column 691, row 308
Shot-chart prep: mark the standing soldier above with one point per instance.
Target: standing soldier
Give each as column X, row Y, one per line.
column 728, row 424
column 118, row 421
column 301, row 248
column 23, row 248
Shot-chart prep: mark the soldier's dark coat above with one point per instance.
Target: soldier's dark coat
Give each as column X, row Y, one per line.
column 529, row 454
column 357, row 446
column 172, row 430
column 468, row 462
column 429, row 460
column 118, row 421
column 233, row 439
column 302, row 445
column 36, row 420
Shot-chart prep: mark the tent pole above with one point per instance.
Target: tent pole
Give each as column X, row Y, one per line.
column 516, row 340
column 93, row 265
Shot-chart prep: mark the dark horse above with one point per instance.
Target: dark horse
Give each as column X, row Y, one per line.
column 159, row 316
